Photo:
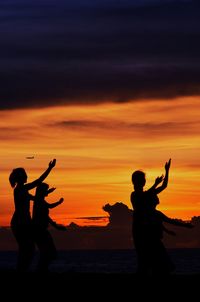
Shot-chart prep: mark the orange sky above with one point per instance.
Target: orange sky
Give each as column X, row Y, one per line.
column 97, row 148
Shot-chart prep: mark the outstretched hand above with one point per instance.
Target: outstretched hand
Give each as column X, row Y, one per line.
column 167, row 165
column 159, row 179
column 51, row 190
column 52, row 163
column 61, row 200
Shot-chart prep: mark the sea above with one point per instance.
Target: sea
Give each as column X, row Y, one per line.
column 187, row 261
column 95, row 275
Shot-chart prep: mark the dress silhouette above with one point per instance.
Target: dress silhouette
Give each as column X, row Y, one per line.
column 139, row 201
column 159, row 261
column 148, row 225
column 41, row 221
column 21, row 223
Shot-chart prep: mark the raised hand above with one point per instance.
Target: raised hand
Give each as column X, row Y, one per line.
column 159, row 179
column 167, row 165
column 52, row 163
column 51, row 190
column 61, row 200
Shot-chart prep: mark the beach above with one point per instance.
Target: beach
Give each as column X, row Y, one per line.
column 97, row 286
column 105, row 273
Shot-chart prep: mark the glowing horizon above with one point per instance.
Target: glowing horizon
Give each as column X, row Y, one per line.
column 97, row 147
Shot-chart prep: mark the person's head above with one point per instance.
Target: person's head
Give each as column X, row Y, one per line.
column 138, row 179
column 42, row 189
column 17, row 176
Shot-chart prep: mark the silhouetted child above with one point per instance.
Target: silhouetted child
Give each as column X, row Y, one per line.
column 21, row 219
column 139, row 201
column 41, row 221
column 159, row 261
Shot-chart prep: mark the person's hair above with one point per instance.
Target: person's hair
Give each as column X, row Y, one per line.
column 42, row 188
column 16, row 175
column 138, row 177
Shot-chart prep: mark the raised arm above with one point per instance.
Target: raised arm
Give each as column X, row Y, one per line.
column 55, row 204
column 36, row 182
column 165, row 179
column 158, row 180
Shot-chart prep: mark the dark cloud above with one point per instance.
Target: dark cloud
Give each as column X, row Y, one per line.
column 7, row 134
column 57, row 52
column 10, row 134
column 92, row 217
column 149, row 128
column 81, row 124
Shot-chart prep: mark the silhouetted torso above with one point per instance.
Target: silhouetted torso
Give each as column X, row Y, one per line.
column 40, row 216
column 41, row 221
column 22, row 199
column 21, row 223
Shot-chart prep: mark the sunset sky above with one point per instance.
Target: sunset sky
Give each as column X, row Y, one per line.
column 106, row 88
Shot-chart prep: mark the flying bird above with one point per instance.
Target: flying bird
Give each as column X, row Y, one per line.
column 30, row 157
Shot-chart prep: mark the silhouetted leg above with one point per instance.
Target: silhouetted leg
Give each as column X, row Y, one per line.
column 25, row 256
column 47, row 250
column 26, row 247
column 161, row 261
column 142, row 251
column 143, row 267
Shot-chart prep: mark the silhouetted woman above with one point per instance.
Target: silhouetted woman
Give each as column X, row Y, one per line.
column 148, row 225
column 41, row 221
column 159, row 261
column 139, row 201
column 21, row 220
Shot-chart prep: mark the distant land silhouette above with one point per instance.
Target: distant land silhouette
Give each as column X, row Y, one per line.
column 115, row 235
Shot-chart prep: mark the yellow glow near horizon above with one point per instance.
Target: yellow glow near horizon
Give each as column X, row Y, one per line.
column 98, row 147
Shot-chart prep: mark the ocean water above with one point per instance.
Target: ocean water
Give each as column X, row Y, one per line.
column 187, row 261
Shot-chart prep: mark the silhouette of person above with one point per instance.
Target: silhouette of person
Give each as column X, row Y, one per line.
column 139, row 201
column 159, row 261
column 21, row 224
column 41, row 221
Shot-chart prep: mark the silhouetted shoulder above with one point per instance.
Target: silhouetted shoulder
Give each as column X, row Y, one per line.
column 138, row 200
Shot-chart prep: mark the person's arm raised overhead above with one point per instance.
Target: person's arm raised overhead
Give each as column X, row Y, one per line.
column 158, row 180
column 36, row 182
column 165, row 179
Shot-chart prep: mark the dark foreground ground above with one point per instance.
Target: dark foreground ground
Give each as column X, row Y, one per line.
column 97, row 286
column 100, row 275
